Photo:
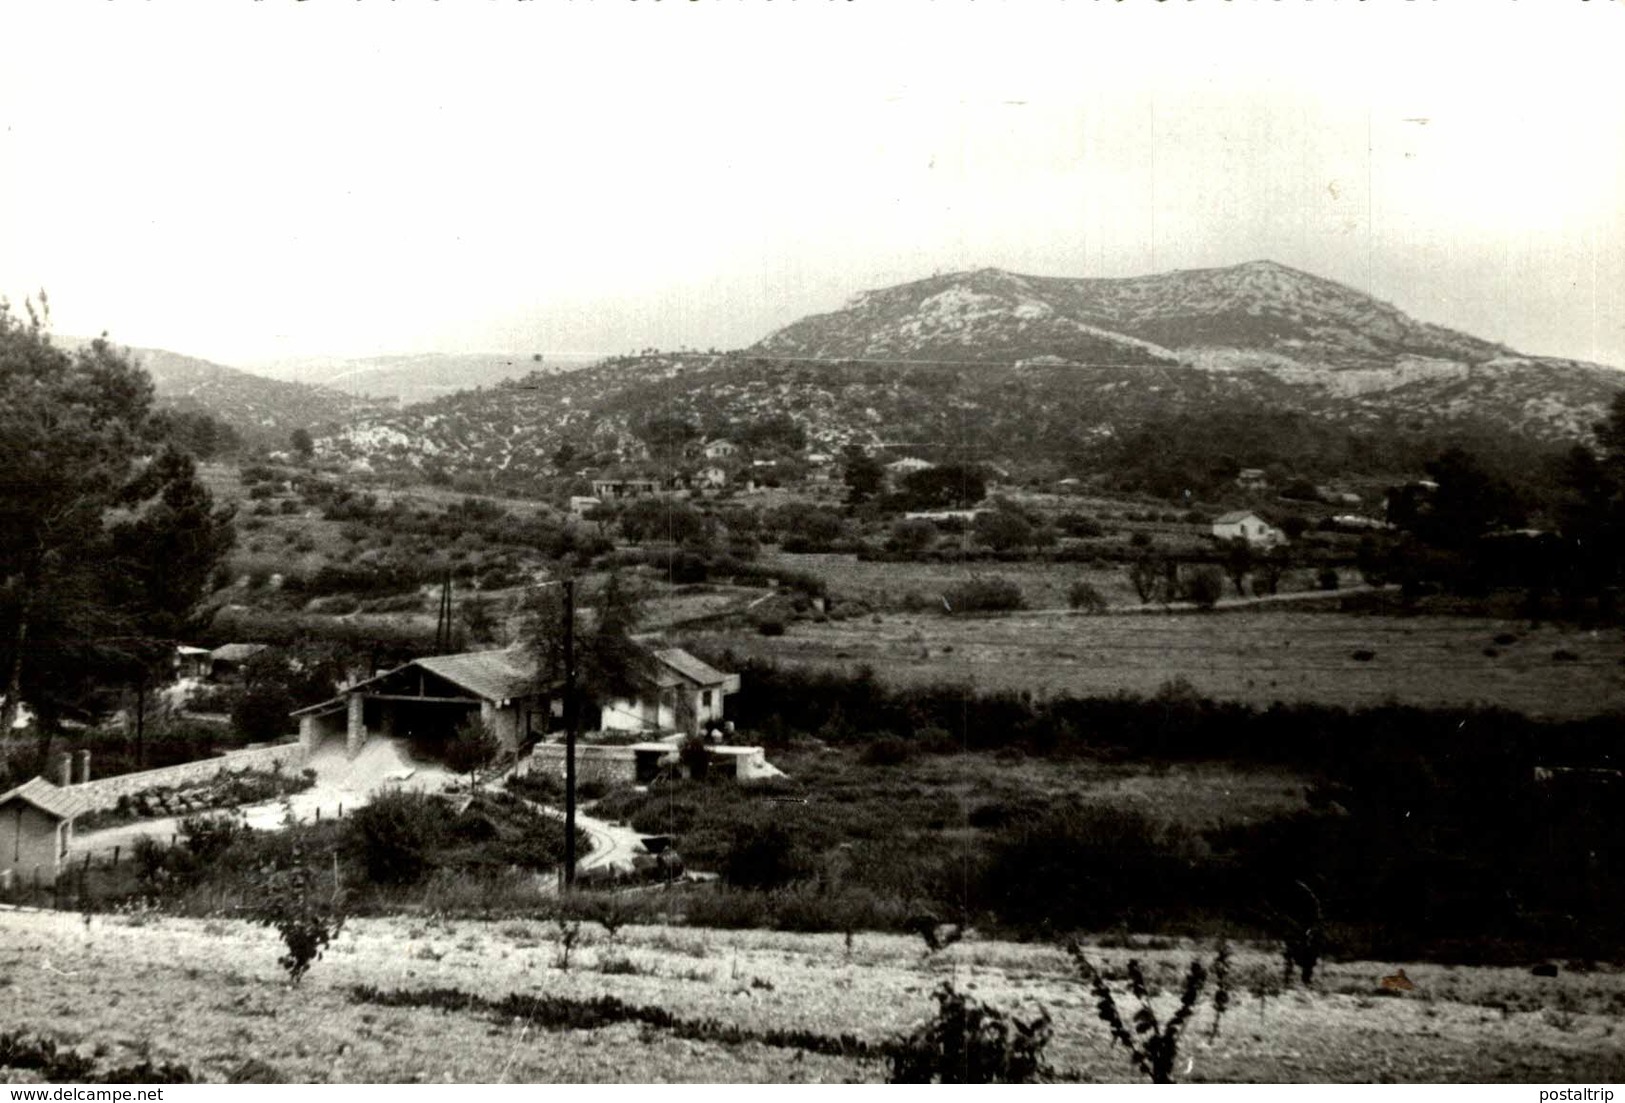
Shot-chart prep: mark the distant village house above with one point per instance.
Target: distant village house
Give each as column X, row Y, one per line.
column 604, row 489
column 226, row 661
column 1246, row 525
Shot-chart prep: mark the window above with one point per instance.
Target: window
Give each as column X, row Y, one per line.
column 705, row 698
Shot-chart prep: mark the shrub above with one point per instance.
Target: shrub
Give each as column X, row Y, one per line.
column 1204, row 587
column 984, row 595
column 762, row 856
column 1327, row 578
column 770, row 626
column 209, row 836
column 394, row 833
column 1097, row 863
column 1086, row 598
column 1153, row 1045
column 290, row 901
column 472, row 747
column 968, row 1042
column 888, row 750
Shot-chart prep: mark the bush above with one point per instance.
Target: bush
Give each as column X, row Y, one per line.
column 394, row 834
column 1153, row 1044
column 984, row 595
column 305, row 917
column 1097, row 865
column 1327, row 578
column 209, row 836
column 1204, row 587
column 770, row 626
column 968, row 1042
column 762, row 856
column 888, row 750
column 1086, row 598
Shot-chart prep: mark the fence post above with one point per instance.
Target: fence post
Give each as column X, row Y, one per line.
column 115, row 859
column 318, row 814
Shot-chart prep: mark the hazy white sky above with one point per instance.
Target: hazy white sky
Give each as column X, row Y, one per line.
column 250, row 180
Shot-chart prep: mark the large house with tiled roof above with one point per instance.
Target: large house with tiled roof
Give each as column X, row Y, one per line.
column 427, row 699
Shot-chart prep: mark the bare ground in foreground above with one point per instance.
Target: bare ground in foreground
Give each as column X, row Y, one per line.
column 209, row 993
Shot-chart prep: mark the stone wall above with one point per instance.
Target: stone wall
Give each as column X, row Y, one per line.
column 611, row 765
column 105, row 792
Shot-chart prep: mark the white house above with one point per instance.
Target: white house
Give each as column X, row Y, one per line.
column 712, row 476
column 1244, row 524
column 908, row 465
column 583, row 504
column 720, row 449
column 684, row 694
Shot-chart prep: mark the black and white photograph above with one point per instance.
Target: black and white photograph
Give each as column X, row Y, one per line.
column 593, row 542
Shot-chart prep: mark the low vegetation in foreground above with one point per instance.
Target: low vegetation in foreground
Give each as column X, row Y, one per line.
column 430, row 998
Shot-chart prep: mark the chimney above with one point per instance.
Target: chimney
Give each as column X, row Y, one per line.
column 64, row 769
column 81, row 767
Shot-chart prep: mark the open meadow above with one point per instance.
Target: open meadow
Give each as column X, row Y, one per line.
column 1546, row 671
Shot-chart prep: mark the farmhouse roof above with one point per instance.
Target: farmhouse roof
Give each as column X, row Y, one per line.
column 494, row 675
column 48, row 798
column 690, row 668
column 236, row 652
column 490, row 675
column 1238, row 515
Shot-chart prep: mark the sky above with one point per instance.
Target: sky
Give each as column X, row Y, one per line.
column 259, row 180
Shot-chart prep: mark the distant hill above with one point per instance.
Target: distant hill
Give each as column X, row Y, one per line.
column 264, row 411
column 1038, row 370
column 419, row 377
column 993, row 316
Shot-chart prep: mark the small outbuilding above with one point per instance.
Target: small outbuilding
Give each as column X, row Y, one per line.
column 36, row 829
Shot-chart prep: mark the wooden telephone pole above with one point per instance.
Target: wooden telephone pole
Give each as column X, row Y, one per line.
column 569, row 732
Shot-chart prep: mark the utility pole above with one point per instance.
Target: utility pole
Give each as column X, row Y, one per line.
column 569, row 733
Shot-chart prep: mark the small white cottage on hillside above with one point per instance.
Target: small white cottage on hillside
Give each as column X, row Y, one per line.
column 1244, row 524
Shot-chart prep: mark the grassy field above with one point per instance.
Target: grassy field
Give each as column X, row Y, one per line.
column 1043, row 585
column 208, row 994
column 1256, row 657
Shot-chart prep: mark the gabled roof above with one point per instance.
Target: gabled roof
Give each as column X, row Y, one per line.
column 48, row 798
column 688, row 667
column 493, row 675
column 236, row 652
column 1238, row 515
